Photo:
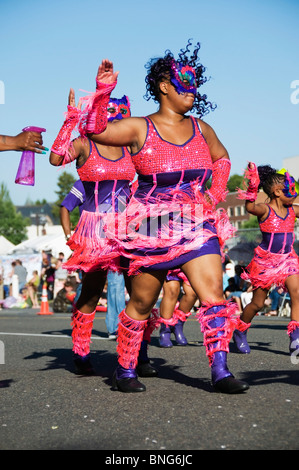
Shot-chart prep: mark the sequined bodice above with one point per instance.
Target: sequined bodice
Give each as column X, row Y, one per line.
column 278, row 233
column 99, row 168
column 275, row 224
column 159, row 156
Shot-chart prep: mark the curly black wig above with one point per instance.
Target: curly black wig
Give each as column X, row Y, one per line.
column 268, row 178
column 158, row 69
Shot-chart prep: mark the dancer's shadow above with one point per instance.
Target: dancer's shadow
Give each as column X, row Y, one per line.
column 103, row 361
column 6, row 383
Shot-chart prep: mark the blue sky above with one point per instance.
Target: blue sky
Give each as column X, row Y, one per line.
column 250, row 50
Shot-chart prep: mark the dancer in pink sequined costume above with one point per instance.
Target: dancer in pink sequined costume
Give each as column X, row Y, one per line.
column 174, row 155
column 275, row 261
column 106, row 174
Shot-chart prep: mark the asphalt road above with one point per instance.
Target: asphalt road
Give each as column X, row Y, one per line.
column 45, row 406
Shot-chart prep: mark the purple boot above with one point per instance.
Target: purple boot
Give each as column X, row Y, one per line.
column 293, row 332
column 177, row 330
column 165, row 333
column 240, row 337
column 144, row 368
column 125, row 380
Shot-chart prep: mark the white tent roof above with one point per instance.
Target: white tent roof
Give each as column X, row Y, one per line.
column 54, row 243
column 5, row 245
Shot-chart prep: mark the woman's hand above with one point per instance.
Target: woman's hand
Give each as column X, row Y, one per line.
column 105, row 72
column 72, row 101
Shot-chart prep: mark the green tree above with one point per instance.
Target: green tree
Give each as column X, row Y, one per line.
column 12, row 224
column 65, row 183
column 252, row 222
column 234, row 182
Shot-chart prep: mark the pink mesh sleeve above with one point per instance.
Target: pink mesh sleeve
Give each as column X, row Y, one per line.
column 220, row 175
column 251, row 189
column 62, row 142
column 94, row 116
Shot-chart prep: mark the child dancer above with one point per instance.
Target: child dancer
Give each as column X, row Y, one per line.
column 274, row 261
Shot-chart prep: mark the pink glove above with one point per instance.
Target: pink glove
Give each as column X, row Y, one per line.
column 250, row 193
column 220, row 175
column 94, row 116
column 62, row 142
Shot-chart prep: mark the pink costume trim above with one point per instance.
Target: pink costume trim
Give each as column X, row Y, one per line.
column 250, row 191
column 212, row 342
column 196, row 210
column 242, row 326
column 93, row 249
column 129, row 338
column 62, row 143
column 89, row 240
column 292, row 326
column 82, row 327
column 220, row 174
column 267, row 268
column 94, row 115
column 153, row 323
column 176, row 316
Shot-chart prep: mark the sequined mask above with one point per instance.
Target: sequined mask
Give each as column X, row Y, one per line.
column 289, row 186
column 183, row 78
column 118, row 108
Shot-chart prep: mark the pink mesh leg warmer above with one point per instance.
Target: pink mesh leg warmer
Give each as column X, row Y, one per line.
column 130, row 336
column 218, row 322
column 82, row 324
column 178, row 315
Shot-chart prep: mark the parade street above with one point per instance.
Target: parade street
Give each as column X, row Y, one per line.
column 44, row 405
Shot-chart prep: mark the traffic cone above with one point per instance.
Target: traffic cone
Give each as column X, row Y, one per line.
column 44, row 308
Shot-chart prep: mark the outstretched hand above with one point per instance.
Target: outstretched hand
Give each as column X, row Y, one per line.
column 72, row 101
column 251, row 166
column 105, row 72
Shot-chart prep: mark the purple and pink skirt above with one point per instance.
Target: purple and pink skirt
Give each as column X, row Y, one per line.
column 169, row 222
column 268, row 268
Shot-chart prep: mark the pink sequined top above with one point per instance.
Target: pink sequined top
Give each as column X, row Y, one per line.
column 278, row 232
column 99, row 168
column 159, row 156
column 275, row 223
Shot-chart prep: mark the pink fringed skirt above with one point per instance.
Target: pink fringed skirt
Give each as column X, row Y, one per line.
column 92, row 249
column 267, row 269
column 169, row 226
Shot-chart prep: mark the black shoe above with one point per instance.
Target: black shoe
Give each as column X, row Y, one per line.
column 127, row 385
column 144, row 369
column 230, row 385
column 83, row 365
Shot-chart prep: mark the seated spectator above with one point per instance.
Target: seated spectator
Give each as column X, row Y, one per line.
column 32, row 288
column 231, row 292
column 61, row 275
column 276, row 296
column 64, row 299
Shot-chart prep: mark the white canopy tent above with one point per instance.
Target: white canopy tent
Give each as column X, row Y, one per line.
column 5, row 245
column 55, row 243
